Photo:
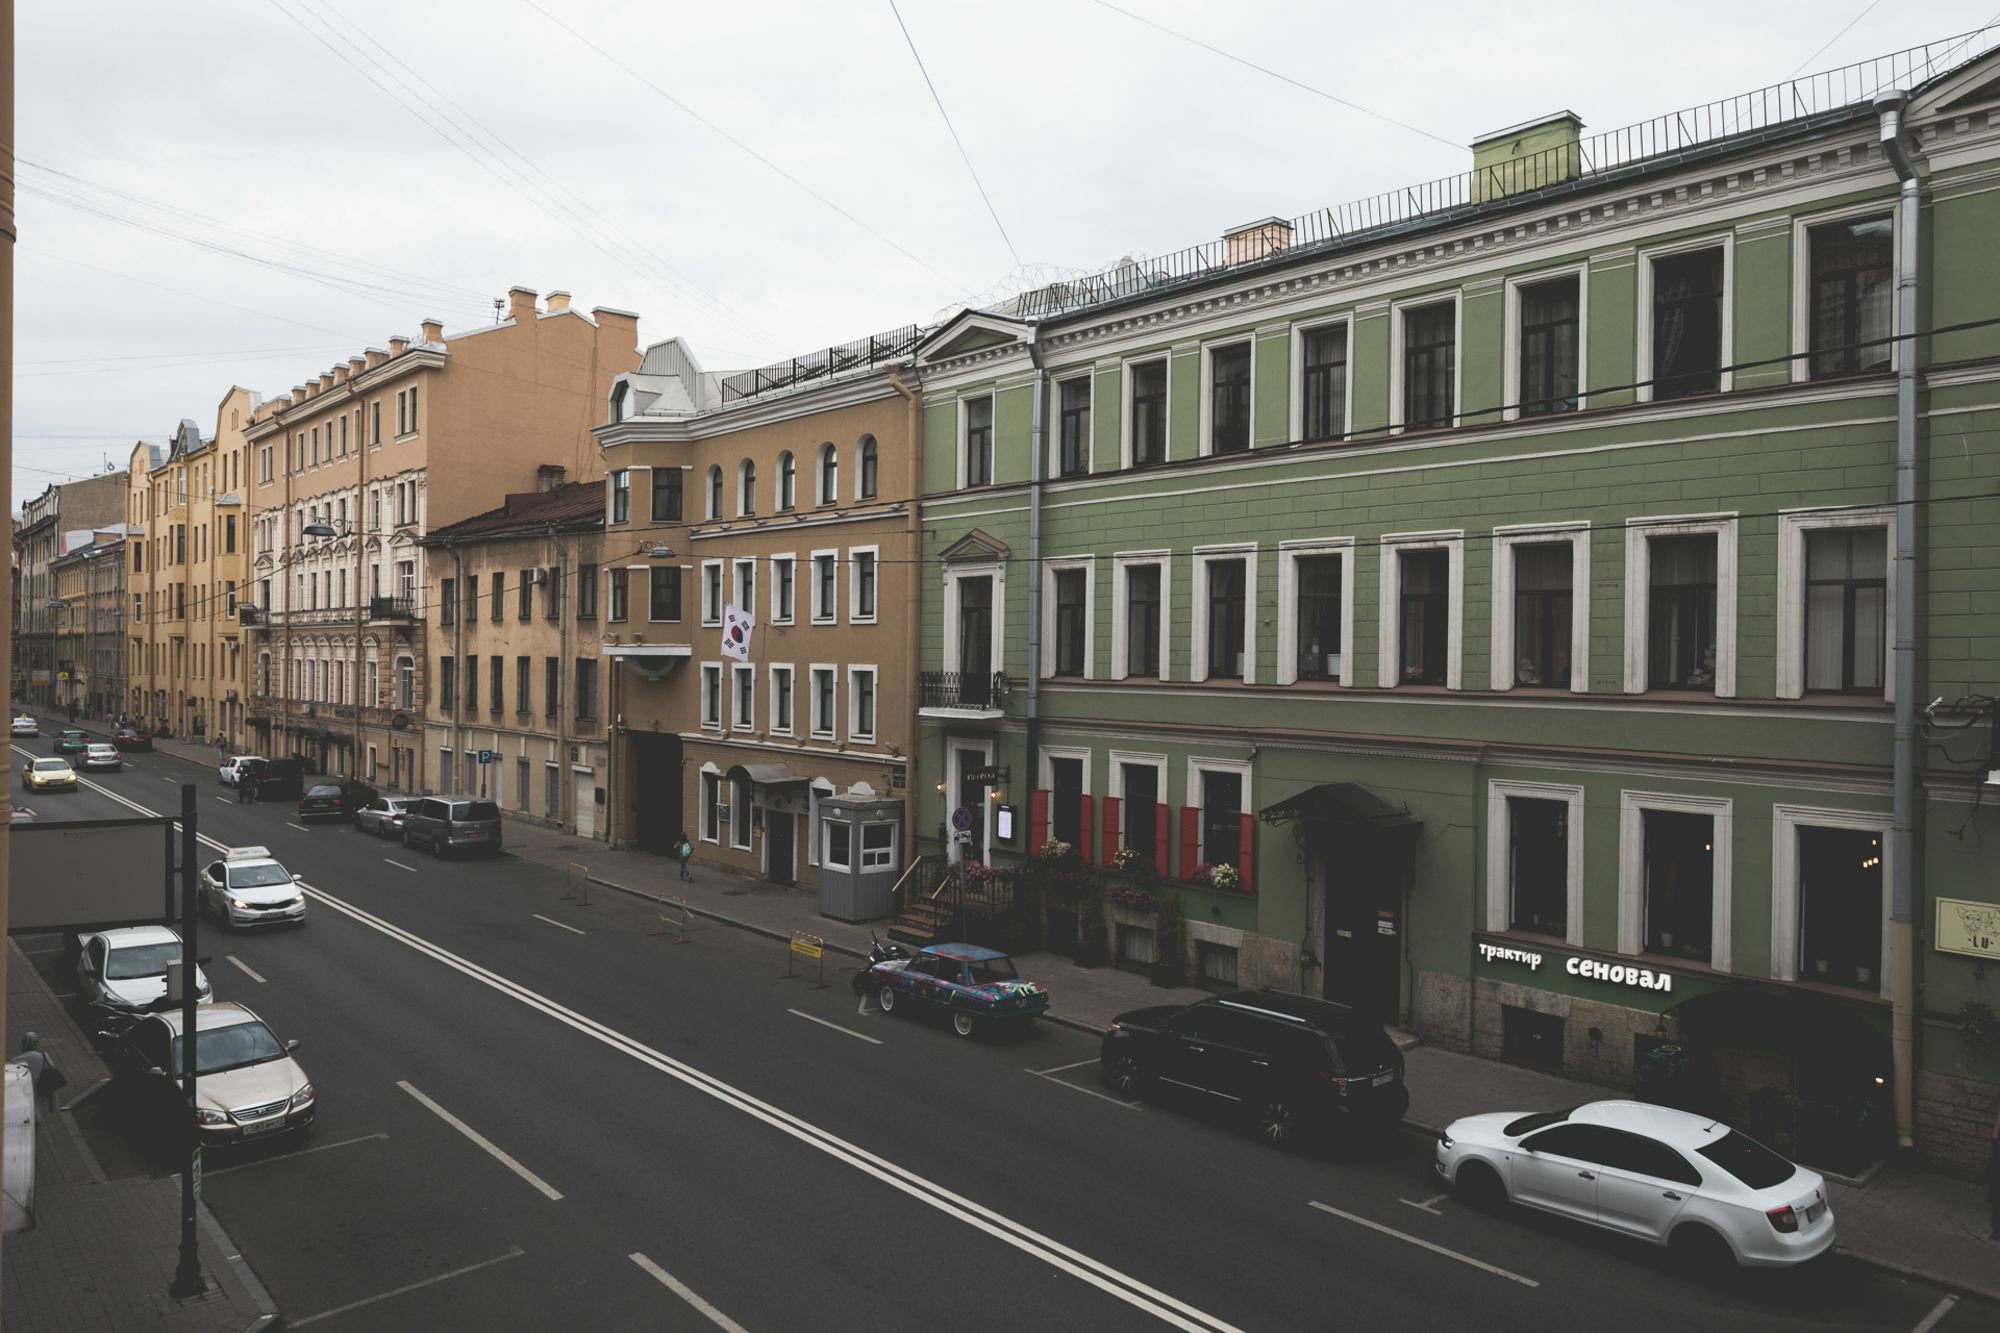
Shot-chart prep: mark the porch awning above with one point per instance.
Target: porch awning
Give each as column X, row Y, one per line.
column 768, row 776
column 1348, row 803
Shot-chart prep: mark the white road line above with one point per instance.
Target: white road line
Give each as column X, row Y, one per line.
column 872, row 1041
column 1090, row 1092
column 1425, row 1206
column 863, row 1008
column 288, row 1156
column 176, row 782
column 245, row 968
column 399, row 865
column 680, row 1289
column 226, row 801
column 551, row 920
column 1421, row 1243
column 548, row 1190
column 514, row 1252
column 1149, row 1300
column 1939, row 1311
column 300, row 827
column 1060, row 1068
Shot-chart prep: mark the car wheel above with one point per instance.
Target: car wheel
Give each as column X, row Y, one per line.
column 887, row 999
column 1278, row 1121
column 963, row 1023
column 1127, row 1075
column 1700, row 1252
column 1479, row 1186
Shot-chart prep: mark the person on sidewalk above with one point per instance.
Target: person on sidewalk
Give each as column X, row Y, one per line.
column 684, row 849
column 72, row 712
column 48, row 1079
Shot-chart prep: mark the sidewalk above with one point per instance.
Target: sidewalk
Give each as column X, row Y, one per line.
column 102, row 1252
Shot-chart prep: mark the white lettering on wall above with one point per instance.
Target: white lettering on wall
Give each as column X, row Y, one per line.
column 1619, row 974
column 1501, row 953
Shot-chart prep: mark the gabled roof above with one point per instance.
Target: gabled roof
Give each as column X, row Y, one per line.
column 975, row 545
column 972, row 331
column 578, row 504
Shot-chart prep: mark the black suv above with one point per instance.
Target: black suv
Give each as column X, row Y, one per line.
column 1294, row 1066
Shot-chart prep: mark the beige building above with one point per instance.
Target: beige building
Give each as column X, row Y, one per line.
column 351, row 470
column 89, row 586
column 516, row 676
column 788, row 492
column 62, row 518
column 187, row 562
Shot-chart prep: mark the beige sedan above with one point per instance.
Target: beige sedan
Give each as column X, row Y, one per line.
column 247, row 1084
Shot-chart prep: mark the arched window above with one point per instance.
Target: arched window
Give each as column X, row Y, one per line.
column 788, row 481
column 864, row 466
column 829, row 474
column 746, row 488
column 715, row 490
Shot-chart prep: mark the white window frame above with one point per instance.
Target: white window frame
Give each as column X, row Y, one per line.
column 789, row 616
column 746, row 488
column 822, row 495
column 1053, row 468
column 1499, row 844
column 1397, row 309
column 713, row 592
column 1787, row 896
column 711, row 697
column 1207, row 392
column 1389, row 609
column 1802, row 226
column 964, row 439
column 1115, row 788
column 1198, row 608
column 1793, row 525
column 854, row 673
column 825, row 615
column 702, row 805
column 1576, row 534
column 1051, row 565
column 1296, row 417
column 1122, row 563
column 889, row 862
column 821, row 729
column 1639, row 533
column 1510, row 393
column 783, row 671
column 826, row 845
column 1289, row 553
column 1125, row 416
column 854, row 617
column 1646, row 256
column 995, row 570
column 815, row 790
column 738, row 721
column 1196, row 766
column 739, row 829
column 1632, row 807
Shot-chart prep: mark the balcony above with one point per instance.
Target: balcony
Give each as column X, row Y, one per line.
column 960, row 694
column 392, row 608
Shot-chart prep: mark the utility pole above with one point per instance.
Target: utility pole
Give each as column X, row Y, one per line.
column 6, row 390
column 188, row 1280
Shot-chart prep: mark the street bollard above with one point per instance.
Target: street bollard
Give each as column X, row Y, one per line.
column 576, row 884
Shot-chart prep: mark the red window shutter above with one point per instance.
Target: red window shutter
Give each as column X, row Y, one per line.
column 1190, row 840
column 1084, row 849
column 1110, row 829
column 1038, row 819
column 1246, row 862
column 1163, row 822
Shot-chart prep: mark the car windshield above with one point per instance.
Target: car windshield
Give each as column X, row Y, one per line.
column 218, row 1049
column 1749, row 1161
column 258, row 877
column 994, row 969
column 1528, row 1124
column 141, row 960
column 50, row 766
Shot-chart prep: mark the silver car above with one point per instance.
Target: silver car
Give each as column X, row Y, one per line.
column 384, row 816
column 126, row 968
column 445, row 824
column 247, row 1083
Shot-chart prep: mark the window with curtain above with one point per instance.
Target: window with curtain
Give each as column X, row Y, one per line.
column 1549, row 361
column 1226, row 592
column 1680, row 613
column 1319, row 617
column 1229, row 399
column 1687, row 323
column 1430, row 350
column 1853, row 278
column 1425, row 612
column 1149, row 413
column 1073, row 427
column 1542, row 608
column 1846, row 609
column 1325, row 389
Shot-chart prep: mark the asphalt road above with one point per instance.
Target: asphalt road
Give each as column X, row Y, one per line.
column 679, row 1136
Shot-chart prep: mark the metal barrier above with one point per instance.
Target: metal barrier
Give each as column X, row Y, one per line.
column 576, row 883
column 802, row 945
column 661, row 920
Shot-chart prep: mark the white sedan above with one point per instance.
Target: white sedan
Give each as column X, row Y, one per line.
column 249, row 888
column 102, row 755
column 126, row 968
column 1665, row 1176
column 25, row 725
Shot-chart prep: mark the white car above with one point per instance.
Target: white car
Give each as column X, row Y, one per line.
column 126, row 968
column 232, row 768
column 1665, row 1176
column 248, row 887
column 247, row 1084
column 24, row 725
column 101, row 755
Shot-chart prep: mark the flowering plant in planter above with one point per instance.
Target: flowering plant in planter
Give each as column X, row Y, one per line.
column 1133, row 898
column 1222, row 876
column 1132, row 861
column 1055, row 849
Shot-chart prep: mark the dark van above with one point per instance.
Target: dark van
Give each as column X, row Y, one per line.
column 278, row 779
column 444, row 824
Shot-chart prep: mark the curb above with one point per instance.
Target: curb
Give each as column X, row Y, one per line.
column 1956, row 1286
column 235, row 1268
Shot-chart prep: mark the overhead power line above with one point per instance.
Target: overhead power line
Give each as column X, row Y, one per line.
column 1865, row 11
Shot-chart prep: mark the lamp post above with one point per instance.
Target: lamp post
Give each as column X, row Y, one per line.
column 328, row 530
column 55, row 645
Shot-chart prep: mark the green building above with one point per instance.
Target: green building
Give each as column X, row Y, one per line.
column 1502, row 576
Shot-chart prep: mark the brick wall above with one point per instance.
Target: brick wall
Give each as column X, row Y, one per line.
column 1955, row 1122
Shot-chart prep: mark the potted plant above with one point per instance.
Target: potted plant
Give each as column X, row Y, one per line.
column 1133, row 897
column 1170, row 943
column 1091, row 934
column 1223, row 877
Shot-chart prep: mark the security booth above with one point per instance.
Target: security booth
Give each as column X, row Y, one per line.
column 860, row 855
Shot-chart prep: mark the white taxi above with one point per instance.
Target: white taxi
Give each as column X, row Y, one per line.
column 248, row 887
column 25, row 725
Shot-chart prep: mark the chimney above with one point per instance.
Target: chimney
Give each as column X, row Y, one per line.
column 340, row 374
column 1529, row 156
column 398, row 345
column 301, row 392
column 1255, row 240
column 521, row 304
column 549, row 476
column 433, row 331
column 355, row 365
column 325, row 381
column 376, row 356
column 558, row 302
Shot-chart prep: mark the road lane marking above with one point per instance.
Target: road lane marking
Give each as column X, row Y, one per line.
column 1421, row 1243
column 245, row 968
column 539, row 917
column 1149, row 1300
column 872, row 1041
column 1089, row 1092
column 680, row 1289
column 1060, row 1068
column 300, row 827
column 175, row 781
column 513, row 1252
column 399, row 865
column 226, row 801
column 1425, row 1206
column 863, row 1008
column 549, row 1191
column 1939, row 1311
column 288, row 1156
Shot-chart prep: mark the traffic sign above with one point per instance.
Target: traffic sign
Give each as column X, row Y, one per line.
column 486, row 756
column 961, row 819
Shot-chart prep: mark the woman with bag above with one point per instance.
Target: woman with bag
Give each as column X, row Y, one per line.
column 684, row 849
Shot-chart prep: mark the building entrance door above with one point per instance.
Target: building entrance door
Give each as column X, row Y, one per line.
column 656, row 815
column 779, row 829
column 586, row 804
column 1364, row 930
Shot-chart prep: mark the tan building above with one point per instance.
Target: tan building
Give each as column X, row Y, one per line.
column 787, row 491
column 187, row 562
column 516, row 674
column 62, row 518
column 89, row 586
column 350, row 471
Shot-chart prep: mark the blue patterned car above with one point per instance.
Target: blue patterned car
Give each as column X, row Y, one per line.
column 977, row 987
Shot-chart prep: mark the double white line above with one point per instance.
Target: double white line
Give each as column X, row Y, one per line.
column 1167, row 1309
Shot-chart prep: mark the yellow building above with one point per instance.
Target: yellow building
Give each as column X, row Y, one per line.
column 87, row 614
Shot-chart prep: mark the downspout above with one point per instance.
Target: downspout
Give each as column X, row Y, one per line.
column 458, row 647
column 1903, row 831
column 1032, row 776
column 913, row 635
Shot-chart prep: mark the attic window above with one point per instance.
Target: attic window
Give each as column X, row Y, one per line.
column 618, row 396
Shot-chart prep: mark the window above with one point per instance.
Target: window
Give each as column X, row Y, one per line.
column 1680, row 613
column 1318, row 606
column 621, row 496
column 1229, row 399
column 1221, row 816
column 1073, row 427
column 666, row 495
column 1066, row 793
column 1550, row 349
column 525, row 599
column 552, row 791
column 499, row 596
column 1138, row 786
column 521, row 783
column 1679, row 868
column 1423, row 613
column 586, row 592
column 586, row 689
column 495, row 683
column 447, row 683
column 1223, row 615
column 617, row 610
column 861, row 596
column 739, row 814
column 826, row 591
column 711, row 807
column 471, row 685
column 1840, row 905
column 781, row 700
column 448, row 601
column 375, row 422
column 1215, row 965
column 861, row 703
column 1538, row 866
column 822, row 702
column 406, row 682
column 1542, row 606
column 878, row 846
column 788, row 482
column 1072, row 629
column 743, row 709
column 1142, row 621
column 711, row 592
column 1149, row 413
column 1846, row 606
column 663, row 592
column 711, row 695
column 978, row 462
column 828, row 474
column 1853, row 278
column 523, row 685
column 229, row 534
column 784, row 598
column 867, row 467
column 839, row 840
column 551, row 687
column 746, row 586
column 746, row 488
column 1430, row 371
column 1687, row 323
column 1323, row 380
column 714, row 490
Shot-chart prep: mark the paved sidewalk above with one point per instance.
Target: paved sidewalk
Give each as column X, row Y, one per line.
column 102, row 1252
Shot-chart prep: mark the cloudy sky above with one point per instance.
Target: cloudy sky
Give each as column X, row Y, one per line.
column 246, row 191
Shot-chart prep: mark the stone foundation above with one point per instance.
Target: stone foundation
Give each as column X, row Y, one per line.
column 1608, row 1060
column 1441, row 1010
column 1955, row 1122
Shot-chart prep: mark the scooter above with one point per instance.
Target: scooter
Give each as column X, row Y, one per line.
column 879, row 951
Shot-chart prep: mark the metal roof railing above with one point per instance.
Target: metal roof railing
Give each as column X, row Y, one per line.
column 862, row 353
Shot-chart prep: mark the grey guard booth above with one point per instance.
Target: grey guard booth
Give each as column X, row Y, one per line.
column 855, row 894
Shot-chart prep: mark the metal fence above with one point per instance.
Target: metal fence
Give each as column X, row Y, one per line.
column 875, row 349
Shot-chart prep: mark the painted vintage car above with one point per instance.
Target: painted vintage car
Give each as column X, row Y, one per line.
column 977, row 987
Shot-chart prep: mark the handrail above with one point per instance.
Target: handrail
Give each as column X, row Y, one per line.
column 914, row 867
column 943, row 884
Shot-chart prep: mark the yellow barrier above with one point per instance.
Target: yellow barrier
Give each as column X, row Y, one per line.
column 802, row 945
column 576, row 883
column 661, row 920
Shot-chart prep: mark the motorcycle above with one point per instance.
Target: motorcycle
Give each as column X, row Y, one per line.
column 879, row 951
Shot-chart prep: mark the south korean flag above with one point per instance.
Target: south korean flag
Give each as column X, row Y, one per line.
column 737, row 626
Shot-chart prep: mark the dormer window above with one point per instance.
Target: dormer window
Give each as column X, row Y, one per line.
column 618, row 402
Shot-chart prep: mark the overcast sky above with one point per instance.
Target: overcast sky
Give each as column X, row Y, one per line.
column 322, row 130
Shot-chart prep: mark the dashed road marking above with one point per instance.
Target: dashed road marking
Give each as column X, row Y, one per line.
column 399, row 865
column 1423, row 1244
column 872, row 1041
column 686, row 1293
column 1938, row 1312
column 499, row 1154
column 552, row 921
column 245, row 968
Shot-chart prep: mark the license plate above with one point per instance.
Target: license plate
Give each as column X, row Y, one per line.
column 264, row 1126
column 1813, row 1213
column 471, row 837
column 1386, row 1076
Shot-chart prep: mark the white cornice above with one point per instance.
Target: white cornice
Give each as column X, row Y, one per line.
column 715, row 423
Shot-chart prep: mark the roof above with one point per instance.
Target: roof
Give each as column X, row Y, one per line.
column 768, row 775
column 1679, row 1128
column 577, row 504
column 1324, row 1014
column 964, row 953
column 138, row 936
column 215, row 1014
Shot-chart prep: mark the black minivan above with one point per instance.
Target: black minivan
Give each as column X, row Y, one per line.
column 1294, row 1067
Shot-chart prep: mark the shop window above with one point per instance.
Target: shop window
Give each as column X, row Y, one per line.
column 1215, row 965
column 1066, row 801
column 1539, row 866
column 1425, row 611
column 1543, row 604
column 1840, row 906
column 1680, row 637
column 1531, row 1039
column 1846, row 609
column 1679, row 861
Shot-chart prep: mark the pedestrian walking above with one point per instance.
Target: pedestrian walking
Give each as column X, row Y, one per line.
column 684, row 849
column 42, row 1068
column 72, row 712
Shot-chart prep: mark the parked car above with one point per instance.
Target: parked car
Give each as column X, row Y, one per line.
column 248, row 887
column 1298, row 1068
column 126, row 968
column 247, row 1084
column 100, row 755
column 21, row 815
column 48, row 775
column 384, row 815
column 232, row 768
column 132, row 738
column 322, row 800
column 280, row 779
column 977, row 987
column 443, row 824
column 25, row 725
column 71, row 740
column 1670, row 1177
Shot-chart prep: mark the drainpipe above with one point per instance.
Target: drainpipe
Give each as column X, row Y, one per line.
column 1903, row 832
column 458, row 648
column 1036, row 442
column 912, row 552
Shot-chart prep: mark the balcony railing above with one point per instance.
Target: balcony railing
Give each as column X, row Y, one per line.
column 877, row 349
column 960, row 689
column 392, row 608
